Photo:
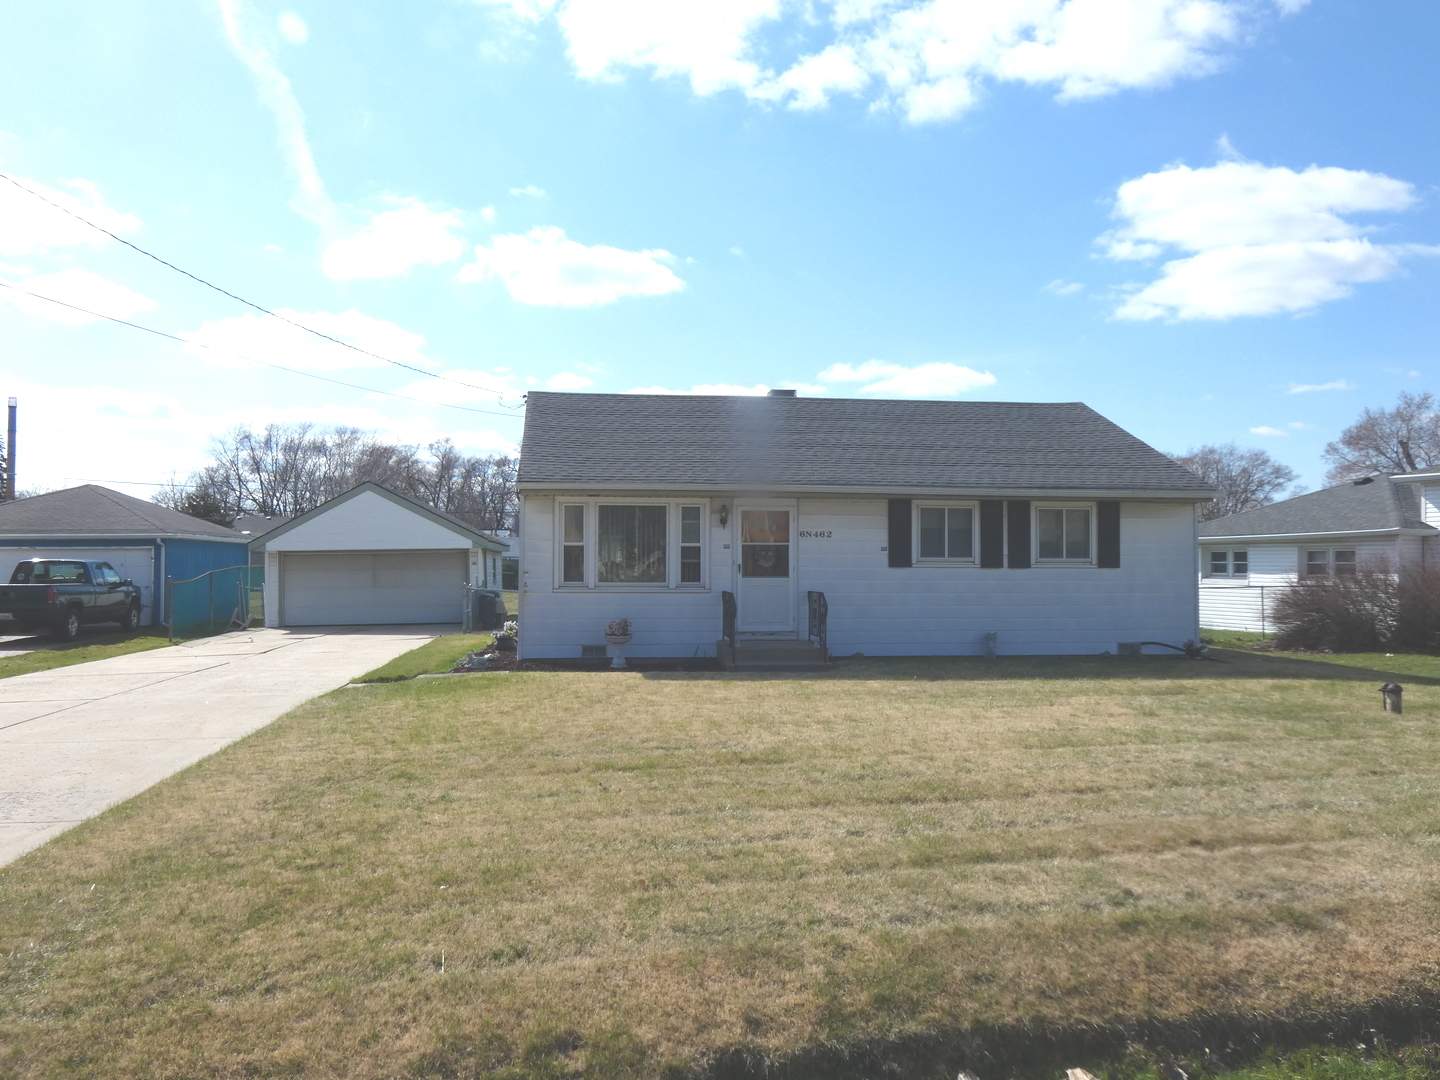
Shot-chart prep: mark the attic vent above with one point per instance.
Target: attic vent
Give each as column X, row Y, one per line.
column 1358, row 483
column 781, row 393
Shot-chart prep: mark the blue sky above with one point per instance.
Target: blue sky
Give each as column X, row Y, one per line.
column 1212, row 220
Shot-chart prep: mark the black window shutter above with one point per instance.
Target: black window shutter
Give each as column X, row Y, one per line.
column 1107, row 535
column 992, row 534
column 1019, row 515
column 899, row 532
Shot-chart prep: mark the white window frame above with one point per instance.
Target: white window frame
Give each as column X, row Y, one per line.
column 1230, row 571
column 1330, row 562
column 1035, row 508
column 947, row 560
column 673, row 534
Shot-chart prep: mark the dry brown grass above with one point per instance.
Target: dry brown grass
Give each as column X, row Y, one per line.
column 541, row 874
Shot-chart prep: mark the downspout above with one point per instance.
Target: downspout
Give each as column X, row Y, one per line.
column 162, row 614
column 519, row 548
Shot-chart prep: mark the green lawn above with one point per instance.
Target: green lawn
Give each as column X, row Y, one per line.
column 621, row 874
column 1401, row 664
column 432, row 658
column 90, row 647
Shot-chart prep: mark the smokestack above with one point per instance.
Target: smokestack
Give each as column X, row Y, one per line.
column 10, row 454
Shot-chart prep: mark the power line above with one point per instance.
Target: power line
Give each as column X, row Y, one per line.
column 250, row 359
column 250, row 303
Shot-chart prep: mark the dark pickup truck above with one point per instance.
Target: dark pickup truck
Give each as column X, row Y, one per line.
column 63, row 594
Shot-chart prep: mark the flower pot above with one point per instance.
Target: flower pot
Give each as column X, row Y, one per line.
column 504, row 644
column 617, row 639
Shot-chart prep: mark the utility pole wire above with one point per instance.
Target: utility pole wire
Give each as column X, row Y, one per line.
column 251, row 303
column 248, row 359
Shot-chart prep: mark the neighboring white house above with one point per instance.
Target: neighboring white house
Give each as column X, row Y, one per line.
column 926, row 525
column 1247, row 559
column 372, row 557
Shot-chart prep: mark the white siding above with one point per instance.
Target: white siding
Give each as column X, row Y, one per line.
column 877, row 610
column 369, row 522
column 1430, row 504
column 1244, row 603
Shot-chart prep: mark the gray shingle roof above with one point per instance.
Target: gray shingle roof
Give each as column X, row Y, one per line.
column 802, row 442
column 92, row 510
column 1344, row 508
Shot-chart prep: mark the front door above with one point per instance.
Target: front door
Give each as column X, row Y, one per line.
column 766, row 595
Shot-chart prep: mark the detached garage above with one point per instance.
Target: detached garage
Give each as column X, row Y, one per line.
column 145, row 542
column 372, row 557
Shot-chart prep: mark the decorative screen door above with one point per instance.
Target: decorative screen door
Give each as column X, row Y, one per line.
column 766, row 592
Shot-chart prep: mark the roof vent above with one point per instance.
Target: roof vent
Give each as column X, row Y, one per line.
column 781, row 393
column 1358, row 483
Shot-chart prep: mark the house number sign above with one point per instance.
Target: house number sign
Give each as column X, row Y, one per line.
column 816, row 534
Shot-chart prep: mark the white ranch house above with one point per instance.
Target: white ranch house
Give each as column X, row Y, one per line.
column 926, row 525
column 1247, row 559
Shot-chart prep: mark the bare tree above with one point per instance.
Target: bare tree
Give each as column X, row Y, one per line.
column 1245, row 478
column 1396, row 440
column 288, row 469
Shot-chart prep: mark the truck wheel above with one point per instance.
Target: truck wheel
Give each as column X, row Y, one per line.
column 69, row 630
column 131, row 622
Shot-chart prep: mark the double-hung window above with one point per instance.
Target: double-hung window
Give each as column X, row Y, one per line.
column 1063, row 534
column 1322, row 562
column 572, row 536
column 1229, row 564
column 946, row 533
column 649, row 544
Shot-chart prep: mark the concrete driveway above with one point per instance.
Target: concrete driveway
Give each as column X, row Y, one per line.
column 76, row 740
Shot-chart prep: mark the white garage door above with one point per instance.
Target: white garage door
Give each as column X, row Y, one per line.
column 137, row 564
column 372, row 588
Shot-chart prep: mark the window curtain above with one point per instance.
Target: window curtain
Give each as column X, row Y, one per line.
column 631, row 544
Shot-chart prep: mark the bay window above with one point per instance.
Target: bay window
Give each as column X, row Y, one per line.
column 642, row 544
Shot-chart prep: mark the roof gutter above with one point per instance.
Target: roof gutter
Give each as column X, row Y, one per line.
column 32, row 538
column 1427, row 530
column 1407, row 478
column 603, row 488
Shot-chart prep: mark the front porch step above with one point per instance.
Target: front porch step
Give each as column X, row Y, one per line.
column 760, row 654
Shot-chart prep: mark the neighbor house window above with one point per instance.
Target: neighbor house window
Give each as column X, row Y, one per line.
column 690, row 545
column 1229, row 563
column 630, row 545
column 1323, row 562
column 1062, row 533
column 947, row 532
column 573, row 544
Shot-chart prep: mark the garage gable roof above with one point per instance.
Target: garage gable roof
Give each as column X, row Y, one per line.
column 94, row 511
column 439, row 517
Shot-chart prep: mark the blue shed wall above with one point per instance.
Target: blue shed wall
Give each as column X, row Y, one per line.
column 187, row 559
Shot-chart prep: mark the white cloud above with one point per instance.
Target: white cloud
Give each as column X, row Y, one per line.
column 1254, row 240
column 1063, row 288
column 884, row 379
column 28, row 225
column 568, row 380
column 1298, row 425
column 1310, row 388
column 311, row 200
column 259, row 337
column 542, row 267
column 293, row 29
column 393, row 242
column 529, row 191
column 81, row 288
column 1262, row 430
column 929, row 59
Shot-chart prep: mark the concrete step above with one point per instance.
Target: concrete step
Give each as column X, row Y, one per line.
column 757, row 654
